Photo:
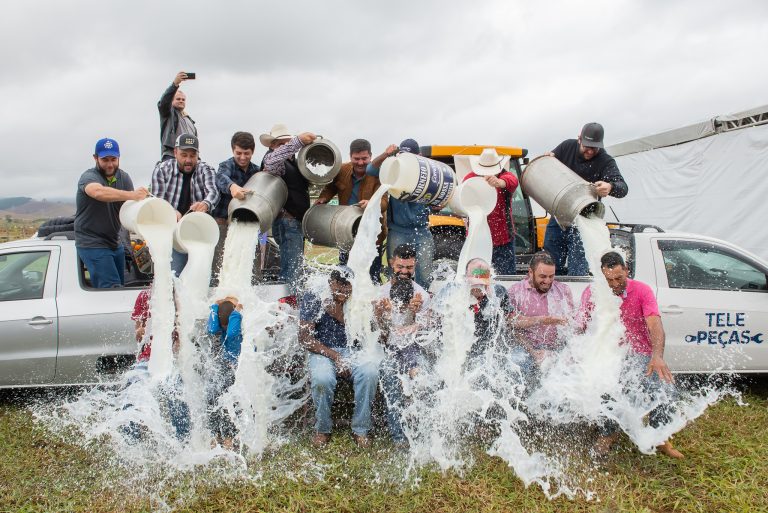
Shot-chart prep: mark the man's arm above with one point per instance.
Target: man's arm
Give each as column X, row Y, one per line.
column 109, row 194
column 313, row 345
column 212, row 194
column 327, row 194
column 612, row 175
column 657, row 363
column 274, row 161
column 375, row 165
column 159, row 182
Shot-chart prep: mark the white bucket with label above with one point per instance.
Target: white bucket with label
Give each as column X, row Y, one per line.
column 474, row 192
column 147, row 212
column 417, row 179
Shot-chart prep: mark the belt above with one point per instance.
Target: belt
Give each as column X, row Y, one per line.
column 284, row 213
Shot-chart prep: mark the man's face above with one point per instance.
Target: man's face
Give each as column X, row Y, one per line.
column 179, row 100
column 278, row 142
column 542, row 277
column 187, row 159
column 360, row 161
column 478, row 270
column 340, row 291
column 587, row 152
column 616, row 277
column 242, row 157
column 108, row 165
column 404, row 268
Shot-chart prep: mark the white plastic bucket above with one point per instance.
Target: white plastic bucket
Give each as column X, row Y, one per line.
column 195, row 227
column 417, row 179
column 475, row 192
column 149, row 211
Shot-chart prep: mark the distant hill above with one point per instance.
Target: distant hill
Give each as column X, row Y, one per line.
column 28, row 208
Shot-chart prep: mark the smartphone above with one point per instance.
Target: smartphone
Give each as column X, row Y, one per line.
column 190, row 76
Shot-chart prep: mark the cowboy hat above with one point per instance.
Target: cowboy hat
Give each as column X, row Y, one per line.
column 489, row 163
column 279, row 131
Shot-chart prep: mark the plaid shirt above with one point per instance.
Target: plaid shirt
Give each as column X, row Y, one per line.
column 167, row 182
column 274, row 160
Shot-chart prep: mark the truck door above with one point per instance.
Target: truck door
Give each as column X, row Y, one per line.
column 28, row 315
column 714, row 306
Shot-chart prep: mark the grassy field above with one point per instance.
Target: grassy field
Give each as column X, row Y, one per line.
column 725, row 469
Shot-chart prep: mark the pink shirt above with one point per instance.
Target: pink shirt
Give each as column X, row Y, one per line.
column 638, row 302
column 526, row 300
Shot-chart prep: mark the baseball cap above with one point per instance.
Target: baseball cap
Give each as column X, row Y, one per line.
column 187, row 142
column 107, row 148
column 411, row 146
column 592, row 135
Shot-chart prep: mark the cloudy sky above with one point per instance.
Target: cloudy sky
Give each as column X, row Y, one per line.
column 506, row 72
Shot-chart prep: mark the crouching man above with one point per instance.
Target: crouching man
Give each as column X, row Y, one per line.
column 322, row 331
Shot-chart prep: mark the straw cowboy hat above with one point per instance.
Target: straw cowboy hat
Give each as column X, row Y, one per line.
column 489, row 163
column 279, row 131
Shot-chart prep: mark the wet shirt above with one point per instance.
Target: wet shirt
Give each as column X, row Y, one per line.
column 601, row 167
column 141, row 313
column 97, row 223
column 328, row 331
column 231, row 337
column 637, row 303
column 527, row 301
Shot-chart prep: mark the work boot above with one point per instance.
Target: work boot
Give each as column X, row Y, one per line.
column 321, row 439
column 362, row 441
column 667, row 450
column 603, row 444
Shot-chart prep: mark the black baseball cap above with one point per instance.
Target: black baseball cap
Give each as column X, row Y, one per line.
column 411, row 146
column 187, row 142
column 592, row 135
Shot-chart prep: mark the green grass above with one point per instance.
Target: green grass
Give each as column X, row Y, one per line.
column 725, row 469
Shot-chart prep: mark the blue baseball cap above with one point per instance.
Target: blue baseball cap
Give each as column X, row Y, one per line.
column 411, row 146
column 107, row 148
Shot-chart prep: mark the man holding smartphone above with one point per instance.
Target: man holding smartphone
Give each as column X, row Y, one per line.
column 174, row 120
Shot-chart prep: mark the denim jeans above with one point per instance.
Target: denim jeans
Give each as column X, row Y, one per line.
column 375, row 269
column 106, row 266
column 651, row 386
column 425, row 251
column 178, row 262
column 566, row 245
column 178, row 411
column 392, row 386
column 503, row 258
column 365, row 380
column 287, row 232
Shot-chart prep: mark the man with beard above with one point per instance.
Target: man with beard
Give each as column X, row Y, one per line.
column 187, row 183
column 541, row 304
column 400, row 316
column 586, row 157
column 174, row 120
column 355, row 187
column 101, row 192
column 322, row 331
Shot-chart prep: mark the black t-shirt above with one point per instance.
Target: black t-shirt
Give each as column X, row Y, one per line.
column 97, row 223
column 601, row 167
column 185, row 197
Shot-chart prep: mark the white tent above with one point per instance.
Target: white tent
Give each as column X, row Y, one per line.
column 709, row 178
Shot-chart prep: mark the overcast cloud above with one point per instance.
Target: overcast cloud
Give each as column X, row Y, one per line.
column 505, row 72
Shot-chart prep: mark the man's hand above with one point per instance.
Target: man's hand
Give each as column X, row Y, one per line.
column 140, row 330
column 382, row 308
column 237, row 192
column 179, row 215
column 307, row 138
column 180, row 77
column 551, row 319
column 362, row 204
column 140, row 193
column 659, row 366
column 392, row 150
column 496, row 182
column 603, row 189
column 199, row 206
column 415, row 303
column 320, row 201
column 342, row 367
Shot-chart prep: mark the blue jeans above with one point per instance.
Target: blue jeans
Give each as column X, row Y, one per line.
column 178, row 410
column 106, row 266
column 365, row 380
column 392, row 386
column 650, row 385
column 178, row 262
column 287, row 232
column 375, row 270
column 566, row 244
column 503, row 258
column 425, row 252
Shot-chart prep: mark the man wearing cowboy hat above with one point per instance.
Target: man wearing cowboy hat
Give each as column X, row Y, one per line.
column 586, row 157
column 280, row 161
column 494, row 169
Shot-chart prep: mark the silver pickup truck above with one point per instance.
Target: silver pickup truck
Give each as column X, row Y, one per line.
column 55, row 329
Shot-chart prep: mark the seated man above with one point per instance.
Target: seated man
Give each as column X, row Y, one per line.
column 225, row 321
column 323, row 333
